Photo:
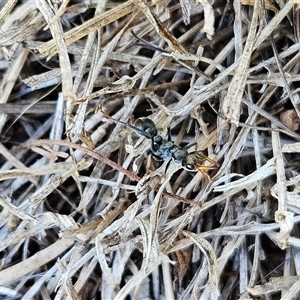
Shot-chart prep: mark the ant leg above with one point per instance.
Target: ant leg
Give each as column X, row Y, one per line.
column 149, row 164
column 204, row 173
column 169, row 135
column 167, row 165
column 145, row 127
column 115, row 120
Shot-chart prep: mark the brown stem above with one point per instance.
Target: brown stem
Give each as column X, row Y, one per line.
column 105, row 160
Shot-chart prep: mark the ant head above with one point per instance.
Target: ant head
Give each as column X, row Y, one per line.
column 194, row 162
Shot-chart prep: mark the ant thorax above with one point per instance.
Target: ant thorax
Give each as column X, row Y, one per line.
column 166, row 149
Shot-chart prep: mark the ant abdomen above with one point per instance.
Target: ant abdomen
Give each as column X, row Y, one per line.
column 146, row 128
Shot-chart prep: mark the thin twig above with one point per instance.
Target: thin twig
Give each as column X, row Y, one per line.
column 104, row 159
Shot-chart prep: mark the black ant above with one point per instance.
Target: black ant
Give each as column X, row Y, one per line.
column 163, row 149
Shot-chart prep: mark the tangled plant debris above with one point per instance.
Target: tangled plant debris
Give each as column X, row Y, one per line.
column 88, row 211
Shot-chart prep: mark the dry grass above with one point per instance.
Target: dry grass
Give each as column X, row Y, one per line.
column 85, row 214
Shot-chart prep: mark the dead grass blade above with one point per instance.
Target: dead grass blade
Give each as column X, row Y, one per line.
column 90, row 209
column 50, row 48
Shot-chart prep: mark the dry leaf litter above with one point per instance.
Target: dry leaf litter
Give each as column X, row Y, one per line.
column 87, row 212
